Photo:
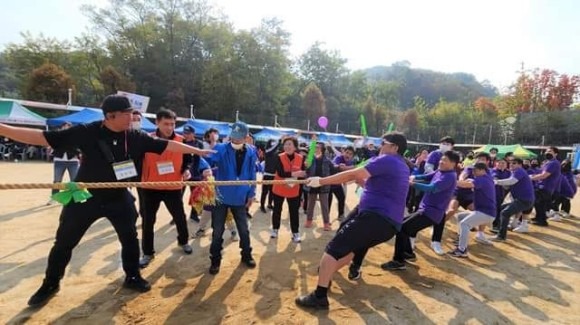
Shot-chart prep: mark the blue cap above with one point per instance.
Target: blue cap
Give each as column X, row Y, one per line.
column 239, row 130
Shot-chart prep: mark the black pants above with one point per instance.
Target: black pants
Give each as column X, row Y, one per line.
column 542, row 204
column 338, row 191
column 293, row 208
column 438, row 230
column 411, row 226
column 266, row 192
column 174, row 204
column 75, row 220
column 499, row 198
column 141, row 200
column 560, row 202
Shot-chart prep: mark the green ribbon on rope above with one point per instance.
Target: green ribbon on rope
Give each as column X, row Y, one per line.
column 362, row 163
column 72, row 192
column 311, row 152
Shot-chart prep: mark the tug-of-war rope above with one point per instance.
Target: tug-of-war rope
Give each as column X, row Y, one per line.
column 77, row 191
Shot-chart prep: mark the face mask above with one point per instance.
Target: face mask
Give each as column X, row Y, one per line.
column 444, row 147
column 215, row 137
column 549, row 156
column 526, row 166
column 534, row 165
column 492, row 155
column 470, row 157
column 237, row 146
column 136, row 125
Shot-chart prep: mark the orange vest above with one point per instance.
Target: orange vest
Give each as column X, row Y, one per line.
column 156, row 168
column 290, row 190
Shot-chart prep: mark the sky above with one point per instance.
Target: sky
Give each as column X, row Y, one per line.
column 489, row 39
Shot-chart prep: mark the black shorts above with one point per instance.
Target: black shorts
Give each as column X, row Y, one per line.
column 365, row 230
column 464, row 203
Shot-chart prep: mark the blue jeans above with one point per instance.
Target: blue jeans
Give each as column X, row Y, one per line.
column 218, row 222
column 510, row 209
column 60, row 167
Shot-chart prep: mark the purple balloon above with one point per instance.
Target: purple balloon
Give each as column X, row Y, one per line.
column 323, row 122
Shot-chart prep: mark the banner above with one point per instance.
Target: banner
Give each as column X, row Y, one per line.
column 138, row 102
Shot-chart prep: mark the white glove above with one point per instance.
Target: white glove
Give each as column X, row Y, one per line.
column 314, row 182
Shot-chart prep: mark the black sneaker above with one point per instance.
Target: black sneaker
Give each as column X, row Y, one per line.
column 411, row 257
column 393, row 266
column 354, row 272
column 145, row 261
column 186, row 249
column 137, row 283
column 46, row 291
column 263, row 209
column 271, row 207
column 214, row 268
column 311, row 301
column 494, row 230
column 194, row 218
column 249, row 261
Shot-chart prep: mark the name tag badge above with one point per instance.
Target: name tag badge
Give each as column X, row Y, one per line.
column 124, row 169
column 165, row 167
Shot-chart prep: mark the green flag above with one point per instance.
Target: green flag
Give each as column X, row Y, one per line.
column 311, row 152
column 71, row 193
column 363, row 126
column 391, row 127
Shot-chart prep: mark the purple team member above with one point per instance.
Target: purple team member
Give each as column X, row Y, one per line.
column 341, row 163
column 431, row 211
column 380, row 214
column 522, row 191
column 484, row 204
column 500, row 171
column 548, row 181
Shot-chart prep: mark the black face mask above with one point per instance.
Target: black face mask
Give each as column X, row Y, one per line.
column 526, row 166
column 549, row 156
column 534, row 165
column 470, row 157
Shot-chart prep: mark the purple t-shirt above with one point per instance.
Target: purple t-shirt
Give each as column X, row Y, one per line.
column 386, row 190
column 433, row 158
column 523, row 189
column 435, row 203
column 340, row 160
column 484, row 195
column 465, row 194
column 553, row 181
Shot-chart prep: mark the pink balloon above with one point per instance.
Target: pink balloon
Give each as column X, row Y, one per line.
column 323, row 122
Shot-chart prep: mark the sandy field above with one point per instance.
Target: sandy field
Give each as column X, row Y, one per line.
column 532, row 278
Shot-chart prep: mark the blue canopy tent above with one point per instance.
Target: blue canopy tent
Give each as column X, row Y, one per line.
column 266, row 134
column 337, row 140
column 201, row 126
column 89, row 115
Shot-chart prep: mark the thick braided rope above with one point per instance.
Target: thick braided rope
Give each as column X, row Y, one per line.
column 104, row 185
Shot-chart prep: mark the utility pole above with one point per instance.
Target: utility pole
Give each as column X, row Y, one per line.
column 69, row 97
column 237, row 116
column 191, row 112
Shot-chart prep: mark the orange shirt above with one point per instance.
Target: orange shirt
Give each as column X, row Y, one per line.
column 165, row 167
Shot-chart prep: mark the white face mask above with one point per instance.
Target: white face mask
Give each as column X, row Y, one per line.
column 444, row 147
column 136, row 125
column 237, row 146
column 215, row 137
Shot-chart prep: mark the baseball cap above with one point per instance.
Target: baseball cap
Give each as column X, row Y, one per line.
column 188, row 129
column 116, row 103
column 397, row 139
column 239, row 130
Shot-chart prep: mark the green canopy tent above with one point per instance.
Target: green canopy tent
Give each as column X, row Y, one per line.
column 516, row 149
column 14, row 113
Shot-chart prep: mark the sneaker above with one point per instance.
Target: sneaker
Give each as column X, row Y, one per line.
column 249, row 261
column 137, row 283
column 514, row 223
column 274, row 233
column 214, row 268
column 436, row 247
column 172, row 222
column 311, row 301
column 522, row 229
column 457, row 252
column 46, row 291
column 235, row 236
column 186, row 249
column 550, row 213
column 340, row 217
column 199, row 233
column 483, row 240
column 296, row 238
column 540, row 223
column 327, row 227
column 494, row 230
column 393, row 266
column 556, row 217
column 354, row 272
column 263, row 210
column 145, row 260
column 411, row 257
column 194, row 218
column 497, row 238
column 308, row 224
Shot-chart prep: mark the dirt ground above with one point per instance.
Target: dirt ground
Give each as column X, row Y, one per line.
column 532, row 278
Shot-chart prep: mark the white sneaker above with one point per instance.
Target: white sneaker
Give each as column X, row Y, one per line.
column 556, row 217
column 296, row 238
column 514, row 223
column 436, row 247
column 523, row 228
column 550, row 213
column 483, row 240
column 274, row 233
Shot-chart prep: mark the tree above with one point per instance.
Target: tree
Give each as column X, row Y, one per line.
column 324, row 68
column 113, row 81
column 50, row 83
column 313, row 102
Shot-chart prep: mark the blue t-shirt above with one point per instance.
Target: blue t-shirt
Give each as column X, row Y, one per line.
column 434, row 204
column 386, row 189
column 523, row 189
column 484, row 195
column 551, row 183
